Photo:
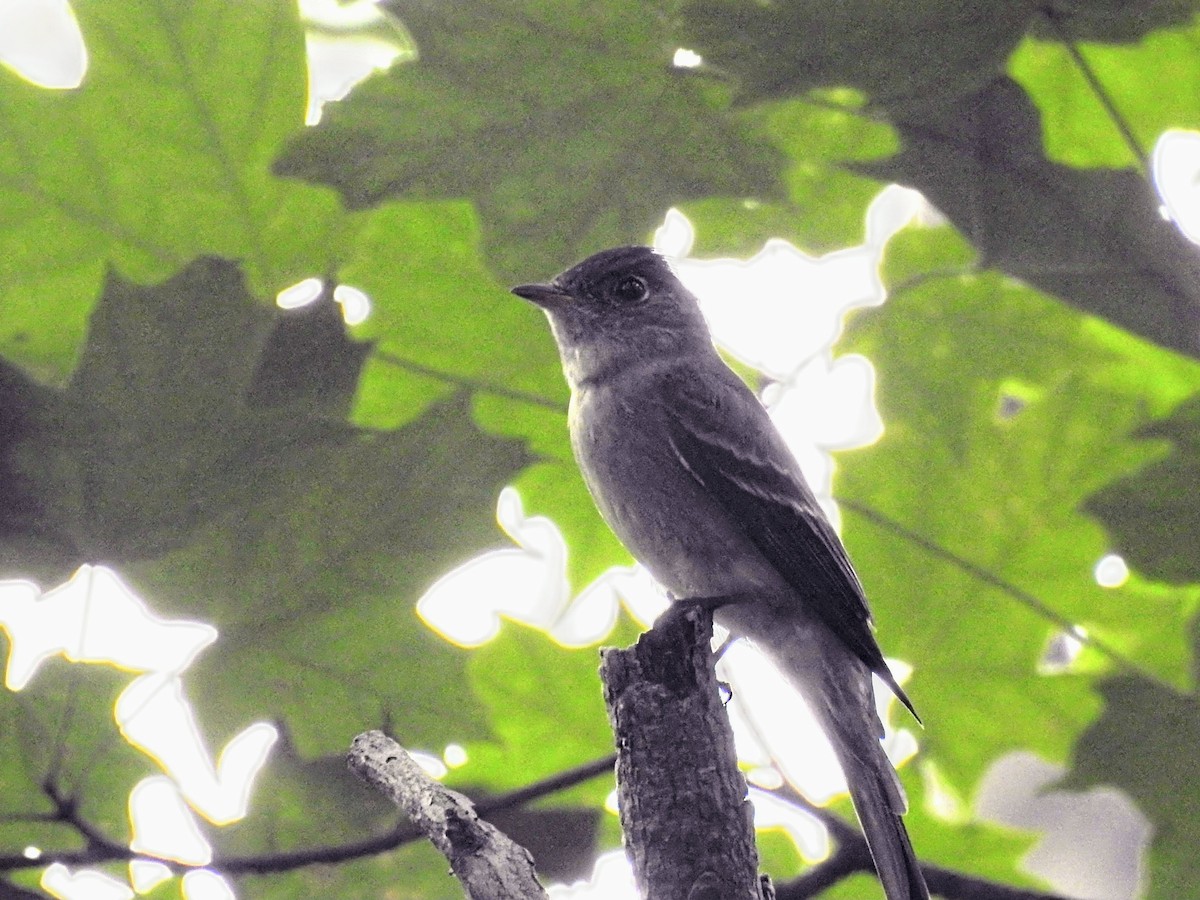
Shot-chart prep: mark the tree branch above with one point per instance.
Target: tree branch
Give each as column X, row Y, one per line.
column 689, row 827
column 852, row 855
column 486, row 861
column 101, row 849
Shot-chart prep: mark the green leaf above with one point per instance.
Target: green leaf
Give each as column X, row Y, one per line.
column 417, row 869
column 1004, row 411
column 822, row 136
column 185, row 453
column 313, row 581
column 161, row 155
column 886, row 50
column 546, row 712
column 59, row 733
column 153, row 436
column 440, row 322
column 309, row 365
column 974, row 848
column 1116, row 20
column 301, row 489
column 978, row 848
column 303, row 804
column 1079, row 131
column 585, row 149
column 1152, row 514
column 1094, row 238
column 1145, row 744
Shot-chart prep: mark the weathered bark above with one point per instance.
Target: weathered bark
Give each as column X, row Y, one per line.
column 689, row 829
column 487, row 862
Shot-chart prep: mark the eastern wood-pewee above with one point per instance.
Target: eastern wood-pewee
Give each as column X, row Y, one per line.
column 687, row 468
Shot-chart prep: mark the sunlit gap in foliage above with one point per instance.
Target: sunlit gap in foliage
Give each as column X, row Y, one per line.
column 1111, row 571
column 611, row 879
column 528, row 584
column 40, row 40
column 612, row 876
column 1020, row 790
column 774, row 729
column 1175, row 164
column 780, row 313
column 201, row 884
column 941, row 797
column 346, row 43
column 455, row 756
column 147, row 874
column 430, row 764
column 686, row 59
column 163, row 827
column 94, row 618
column 88, row 884
column 355, row 303
column 302, row 293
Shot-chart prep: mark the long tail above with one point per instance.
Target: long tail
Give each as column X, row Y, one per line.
column 879, row 801
column 837, row 687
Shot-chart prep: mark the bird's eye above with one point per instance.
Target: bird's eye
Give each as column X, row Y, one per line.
column 631, row 289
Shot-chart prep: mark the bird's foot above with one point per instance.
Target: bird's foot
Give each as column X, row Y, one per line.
column 725, row 645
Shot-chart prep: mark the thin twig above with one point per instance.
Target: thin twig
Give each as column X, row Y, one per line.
column 841, row 830
column 103, row 849
column 470, row 384
column 981, row 574
column 1089, row 75
column 848, row 859
column 404, row 833
column 66, row 811
column 852, row 856
column 550, row 785
column 487, row 863
column 920, row 279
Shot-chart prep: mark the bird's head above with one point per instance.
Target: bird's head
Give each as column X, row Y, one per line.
column 617, row 308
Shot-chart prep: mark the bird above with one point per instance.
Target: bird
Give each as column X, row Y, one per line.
column 688, row 470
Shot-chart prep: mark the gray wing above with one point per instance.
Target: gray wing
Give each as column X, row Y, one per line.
column 726, row 440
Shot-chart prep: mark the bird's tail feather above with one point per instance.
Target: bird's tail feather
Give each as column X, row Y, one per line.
column 845, row 707
column 879, row 802
column 838, row 690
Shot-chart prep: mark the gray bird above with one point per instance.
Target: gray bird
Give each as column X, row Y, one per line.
column 688, row 470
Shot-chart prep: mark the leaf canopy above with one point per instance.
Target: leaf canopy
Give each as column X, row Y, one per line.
column 300, row 483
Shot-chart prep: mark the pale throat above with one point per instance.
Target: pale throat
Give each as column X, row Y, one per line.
column 619, row 355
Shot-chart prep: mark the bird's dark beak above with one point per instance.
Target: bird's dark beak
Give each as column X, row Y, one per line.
column 546, row 296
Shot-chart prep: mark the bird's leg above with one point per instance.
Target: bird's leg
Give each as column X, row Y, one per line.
column 725, row 645
column 724, row 687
